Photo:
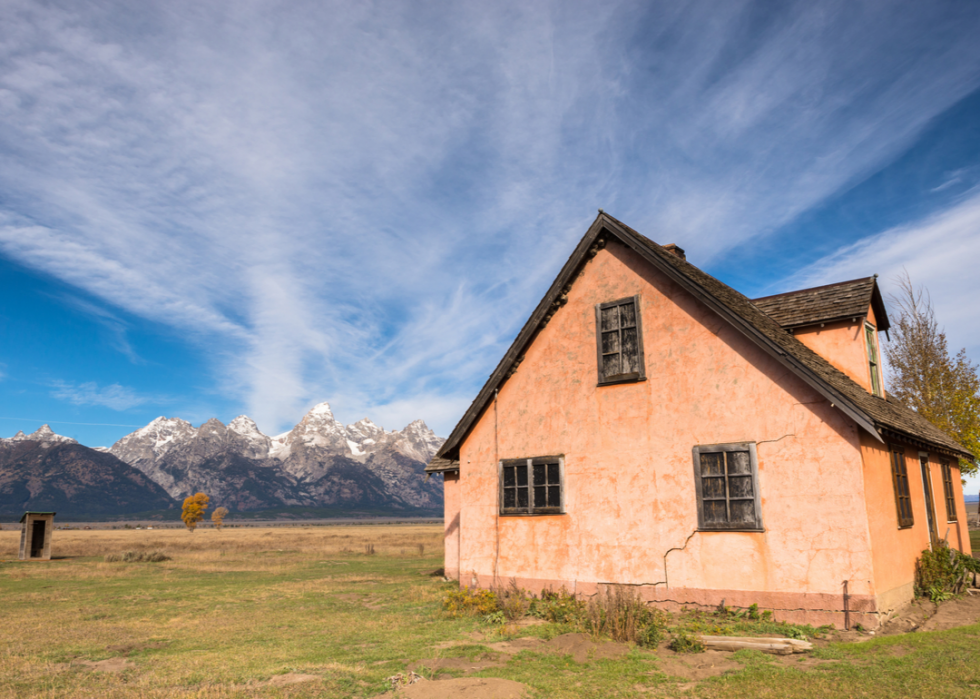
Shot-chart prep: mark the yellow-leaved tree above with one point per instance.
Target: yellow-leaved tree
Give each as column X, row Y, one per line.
column 941, row 388
column 218, row 517
column 194, row 507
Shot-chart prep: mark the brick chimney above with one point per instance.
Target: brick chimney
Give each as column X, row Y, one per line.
column 675, row 250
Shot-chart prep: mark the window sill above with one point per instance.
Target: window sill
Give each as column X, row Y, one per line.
column 532, row 514
column 730, row 531
column 625, row 379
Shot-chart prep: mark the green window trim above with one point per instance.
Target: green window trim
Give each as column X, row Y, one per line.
column 873, row 364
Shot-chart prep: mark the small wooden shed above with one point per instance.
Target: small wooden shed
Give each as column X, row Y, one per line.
column 35, row 536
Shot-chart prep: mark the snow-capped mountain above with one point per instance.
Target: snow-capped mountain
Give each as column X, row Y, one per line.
column 153, row 441
column 319, row 462
column 43, row 434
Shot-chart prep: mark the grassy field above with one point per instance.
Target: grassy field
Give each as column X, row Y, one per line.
column 234, row 612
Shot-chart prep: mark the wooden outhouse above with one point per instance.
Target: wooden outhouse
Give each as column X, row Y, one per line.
column 35, row 536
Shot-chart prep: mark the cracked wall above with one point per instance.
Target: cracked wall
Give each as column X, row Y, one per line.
column 629, row 474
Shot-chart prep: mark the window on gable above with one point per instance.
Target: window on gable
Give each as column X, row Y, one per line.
column 726, row 478
column 900, row 479
column 869, row 337
column 532, row 486
column 948, row 491
column 619, row 340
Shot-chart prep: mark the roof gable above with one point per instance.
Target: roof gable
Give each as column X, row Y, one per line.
column 871, row 413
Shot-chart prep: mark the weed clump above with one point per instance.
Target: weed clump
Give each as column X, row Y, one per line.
column 617, row 612
column 513, row 601
column 466, row 602
column 560, row 607
column 136, row 557
column 620, row 613
column 943, row 572
column 684, row 642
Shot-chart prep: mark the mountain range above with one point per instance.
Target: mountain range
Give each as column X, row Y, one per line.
column 320, row 463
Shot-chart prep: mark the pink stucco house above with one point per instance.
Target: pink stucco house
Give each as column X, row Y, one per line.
column 651, row 426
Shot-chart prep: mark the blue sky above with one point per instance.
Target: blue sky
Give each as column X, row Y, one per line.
column 209, row 209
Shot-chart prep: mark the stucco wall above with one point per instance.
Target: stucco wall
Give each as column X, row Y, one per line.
column 450, row 487
column 629, row 476
column 843, row 344
column 895, row 550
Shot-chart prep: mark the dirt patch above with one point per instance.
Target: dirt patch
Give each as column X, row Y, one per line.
column 909, row 619
column 697, row 666
column 923, row 615
column 437, row 665
column 468, row 687
column 581, row 647
column 114, row 665
column 954, row 613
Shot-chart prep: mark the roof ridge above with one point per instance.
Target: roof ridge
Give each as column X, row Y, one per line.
column 816, row 288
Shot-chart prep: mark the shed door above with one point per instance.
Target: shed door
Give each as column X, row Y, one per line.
column 927, row 490
column 37, row 539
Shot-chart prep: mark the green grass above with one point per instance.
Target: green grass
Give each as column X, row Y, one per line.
column 236, row 608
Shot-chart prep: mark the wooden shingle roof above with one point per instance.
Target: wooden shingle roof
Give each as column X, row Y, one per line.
column 441, row 465
column 826, row 304
column 880, row 418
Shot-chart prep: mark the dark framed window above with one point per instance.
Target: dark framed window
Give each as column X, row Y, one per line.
column 900, row 479
column 619, row 341
column 532, row 486
column 948, row 490
column 726, row 477
column 869, row 337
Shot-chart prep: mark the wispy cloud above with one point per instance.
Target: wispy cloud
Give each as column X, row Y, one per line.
column 952, row 179
column 114, row 397
column 939, row 253
column 362, row 202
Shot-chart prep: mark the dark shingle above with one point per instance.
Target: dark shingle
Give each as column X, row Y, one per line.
column 440, row 465
column 825, row 304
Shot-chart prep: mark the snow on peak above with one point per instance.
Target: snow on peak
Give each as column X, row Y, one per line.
column 162, row 424
column 245, row 426
column 321, row 409
column 154, row 440
column 19, row 436
column 45, row 434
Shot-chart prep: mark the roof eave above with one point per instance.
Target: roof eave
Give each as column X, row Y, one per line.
column 888, row 432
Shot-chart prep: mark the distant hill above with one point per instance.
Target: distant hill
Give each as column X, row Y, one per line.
column 72, row 480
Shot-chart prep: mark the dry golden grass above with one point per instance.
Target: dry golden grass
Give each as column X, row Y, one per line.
column 229, row 610
column 388, row 540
